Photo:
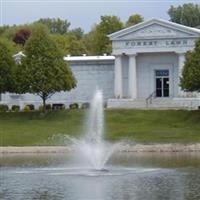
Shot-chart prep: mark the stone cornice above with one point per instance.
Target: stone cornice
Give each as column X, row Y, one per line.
column 169, row 25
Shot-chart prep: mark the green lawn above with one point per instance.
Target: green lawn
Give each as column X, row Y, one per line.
column 33, row 128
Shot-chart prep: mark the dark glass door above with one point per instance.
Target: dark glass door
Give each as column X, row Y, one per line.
column 165, row 87
column 158, row 87
column 162, row 83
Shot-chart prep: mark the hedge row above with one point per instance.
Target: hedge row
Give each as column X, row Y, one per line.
column 31, row 107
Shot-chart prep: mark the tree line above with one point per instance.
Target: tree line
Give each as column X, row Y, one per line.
column 71, row 41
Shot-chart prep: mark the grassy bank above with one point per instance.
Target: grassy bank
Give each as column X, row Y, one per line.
column 24, row 129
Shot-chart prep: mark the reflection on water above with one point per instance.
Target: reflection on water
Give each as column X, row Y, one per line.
column 130, row 177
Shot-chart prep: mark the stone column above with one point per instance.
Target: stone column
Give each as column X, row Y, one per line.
column 132, row 77
column 181, row 60
column 118, row 76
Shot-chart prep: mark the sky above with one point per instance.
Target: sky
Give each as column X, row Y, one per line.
column 82, row 13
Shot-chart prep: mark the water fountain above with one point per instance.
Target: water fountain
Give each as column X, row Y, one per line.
column 96, row 180
column 93, row 147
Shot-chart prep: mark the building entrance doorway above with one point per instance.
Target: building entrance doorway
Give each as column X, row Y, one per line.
column 162, row 83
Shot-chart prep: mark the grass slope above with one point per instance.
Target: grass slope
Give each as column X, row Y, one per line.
column 148, row 126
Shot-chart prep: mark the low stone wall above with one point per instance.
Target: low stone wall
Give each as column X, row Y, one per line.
column 124, row 148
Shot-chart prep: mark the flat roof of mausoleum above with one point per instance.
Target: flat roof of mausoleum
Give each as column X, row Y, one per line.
column 88, row 58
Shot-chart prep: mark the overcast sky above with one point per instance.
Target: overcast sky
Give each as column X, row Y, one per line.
column 82, row 13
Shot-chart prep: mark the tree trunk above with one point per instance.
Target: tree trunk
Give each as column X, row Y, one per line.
column 44, row 102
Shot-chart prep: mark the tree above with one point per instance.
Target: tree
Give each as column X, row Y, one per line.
column 70, row 43
column 134, row 19
column 43, row 71
column 190, row 80
column 22, row 36
column 7, row 64
column 97, row 41
column 76, row 32
column 187, row 14
column 55, row 25
column 3, row 29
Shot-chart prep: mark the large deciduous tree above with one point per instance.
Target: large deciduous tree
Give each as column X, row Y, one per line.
column 7, row 64
column 97, row 41
column 43, row 71
column 134, row 19
column 186, row 14
column 190, row 80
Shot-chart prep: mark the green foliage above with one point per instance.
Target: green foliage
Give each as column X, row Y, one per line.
column 74, row 41
column 69, row 44
column 78, row 33
column 15, row 108
column 43, row 71
column 187, row 14
column 97, row 41
column 134, row 19
column 3, row 108
column 48, row 107
column 58, row 106
column 9, row 33
column 31, row 106
column 7, row 64
column 27, row 108
column 190, row 80
column 73, row 106
column 85, row 105
column 3, row 29
column 55, row 25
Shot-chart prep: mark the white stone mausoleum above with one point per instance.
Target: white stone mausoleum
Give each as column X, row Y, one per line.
column 143, row 71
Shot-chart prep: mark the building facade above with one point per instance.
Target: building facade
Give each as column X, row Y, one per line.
column 149, row 58
column 144, row 71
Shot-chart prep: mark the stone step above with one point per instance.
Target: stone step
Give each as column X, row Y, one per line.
column 157, row 103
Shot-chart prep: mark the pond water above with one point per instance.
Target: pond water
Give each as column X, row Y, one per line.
column 128, row 176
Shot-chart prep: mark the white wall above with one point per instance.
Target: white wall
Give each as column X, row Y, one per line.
column 146, row 66
column 90, row 75
column 125, row 69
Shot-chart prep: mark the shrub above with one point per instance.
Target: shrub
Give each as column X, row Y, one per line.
column 58, row 106
column 40, row 108
column 3, row 108
column 85, row 105
column 73, row 106
column 48, row 107
column 15, row 108
column 31, row 106
column 27, row 108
